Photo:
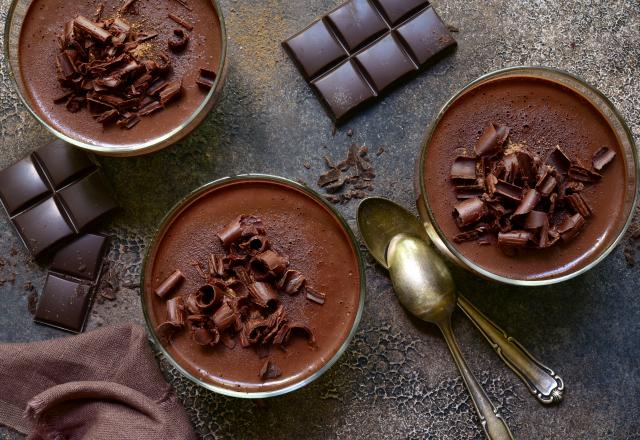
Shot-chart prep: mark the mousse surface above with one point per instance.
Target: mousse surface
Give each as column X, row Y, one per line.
column 541, row 114
column 38, row 47
column 302, row 229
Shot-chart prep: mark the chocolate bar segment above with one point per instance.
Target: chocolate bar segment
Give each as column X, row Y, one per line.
column 396, row 10
column 82, row 258
column 368, row 43
column 425, row 35
column 315, row 49
column 343, row 89
column 64, row 303
column 87, row 200
column 20, row 185
column 357, row 23
column 63, row 163
column 43, row 226
column 385, row 62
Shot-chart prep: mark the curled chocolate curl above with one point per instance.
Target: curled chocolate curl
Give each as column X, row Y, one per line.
column 580, row 205
column 528, row 203
column 169, row 284
column 263, row 294
column 571, row 226
column 536, row 220
column 175, row 311
column 469, row 211
column 224, row 317
column 206, row 79
column 217, row 266
column 91, row 28
column 491, row 140
column 166, row 331
column 205, row 336
column 468, row 191
column 268, row 264
column 602, row 158
column 269, row 370
column 291, row 282
column 289, row 329
column 463, row 168
column 315, row 295
column 514, row 238
column 547, row 182
column 208, row 296
column 508, row 190
column 231, row 232
column 581, row 174
column 180, row 40
column 559, row 160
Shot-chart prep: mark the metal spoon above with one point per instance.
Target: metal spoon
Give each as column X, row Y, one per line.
column 380, row 220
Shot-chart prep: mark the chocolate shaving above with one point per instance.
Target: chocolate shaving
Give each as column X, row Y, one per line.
column 179, row 41
column 181, row 21
column 463, row 168
column 268, row 264
column 529, row 201
column 263, row 293
column 469, row 211
column 315, row 296
column 580, row 205
column 491, row 140
column 571, row 226
column 602, row 158
column 89, row 27
column 169, row 284
column 536, row 220
column 508, row 190
column 206, row 79
column 469, row 191
column 582, row 174
column 514, row 238
column 291, row 282
column 559, row 160
column 171, row 91
column 547, row 183
column 269, row 370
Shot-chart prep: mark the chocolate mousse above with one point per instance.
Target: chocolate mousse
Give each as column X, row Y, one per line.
column 277, row 260
column 114, row 73
column 523, row 174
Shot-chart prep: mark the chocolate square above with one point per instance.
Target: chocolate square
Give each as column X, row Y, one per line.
column 357, row 23
column 87, row 200
column 396, row 10
column 384, row 62
column 64, row 303
column 315, row 49
column 43, row 226
column 82, row 258
column 20, row 185
column 63, row 163
column 343, row 89
column 425, row 35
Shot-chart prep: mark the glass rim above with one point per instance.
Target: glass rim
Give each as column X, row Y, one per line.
column 451, row 250
column 149, row 146
column 210, row 186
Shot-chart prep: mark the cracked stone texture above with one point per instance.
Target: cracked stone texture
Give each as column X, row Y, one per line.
column 397, row 379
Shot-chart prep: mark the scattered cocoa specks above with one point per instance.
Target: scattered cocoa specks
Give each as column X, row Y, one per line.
column 350, row 178
column 307, row 164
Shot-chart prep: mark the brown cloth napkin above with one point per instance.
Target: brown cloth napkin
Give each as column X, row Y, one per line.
column 103, row 384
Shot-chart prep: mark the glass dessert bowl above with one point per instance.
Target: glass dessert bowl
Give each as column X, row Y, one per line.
column 34, row 41
column 544, row 108
column 300, row 226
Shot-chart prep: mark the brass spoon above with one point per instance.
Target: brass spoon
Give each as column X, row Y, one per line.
column 379, row 220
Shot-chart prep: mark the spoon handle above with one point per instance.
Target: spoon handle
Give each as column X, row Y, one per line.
column 541, row 380
column 492, row 422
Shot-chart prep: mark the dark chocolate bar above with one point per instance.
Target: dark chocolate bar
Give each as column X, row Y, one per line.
column 53, row 195
column 362, row 48
column 64, row 303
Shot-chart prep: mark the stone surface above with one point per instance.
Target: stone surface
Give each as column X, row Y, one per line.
column 397, row 379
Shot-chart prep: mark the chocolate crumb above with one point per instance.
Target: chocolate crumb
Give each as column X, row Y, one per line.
column 179, row 41
column 306, row 164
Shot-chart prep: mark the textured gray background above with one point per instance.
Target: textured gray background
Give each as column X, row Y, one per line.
column 397, row 379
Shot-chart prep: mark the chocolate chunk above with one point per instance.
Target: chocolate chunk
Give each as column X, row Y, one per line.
column 582, row 174
column 330, row 176
column 171, row 91
column 91, row 28
column 315, row 295
column 469, row 211
column 468, row 191
column 21, row 185
column 508, row 190
column 82, row 258
column 351, row 55
column 580, row 205
column 514, row 238
column 571, row 226
column 181, row 21
column 64, row 303
column 463, row 168
column 151, row 107
column 536, row 220
column 169, row 284
column 528, row 203
column 602, row 158
column 108, row 116
column 491, row 140
column 206, row 79
column 179, row 41
column 547, row 183
column 559, row 160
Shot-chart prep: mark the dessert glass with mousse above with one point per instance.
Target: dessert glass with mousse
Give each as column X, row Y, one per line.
column 543, row 109
column 301, row 227
column 39, row 32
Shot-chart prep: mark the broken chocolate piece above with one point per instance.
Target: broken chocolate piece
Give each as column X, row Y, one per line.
column 582, row 174
column 514, row 238
column 580, row 205
column 602, row 158
column 268, row 264
column 171, row 91
column 263, row 293
column 463, row 168
column 91, row 28
column 536, row 220
column 169, row 284
column 269, row 370
column 547, row 183
column 571, row 226
column 558, row 160
column 291, row 282
column 508, row 190
column 469, row 191
column 315, row 296
column 206, row 79
column 469, row 211
column 528, row 203
column 491, row 140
